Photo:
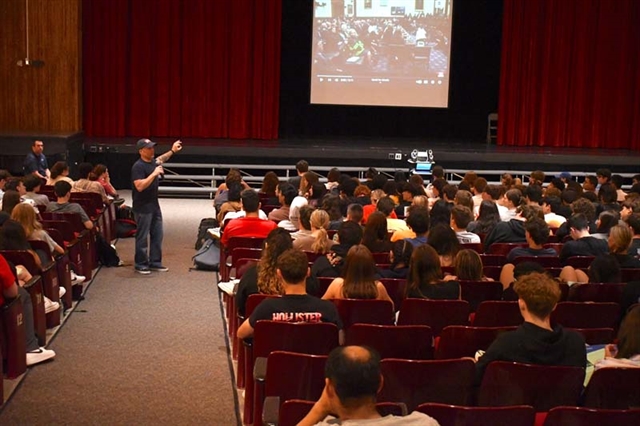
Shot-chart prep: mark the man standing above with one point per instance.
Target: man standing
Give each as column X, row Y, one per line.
column 36, row 163
column 145, row 176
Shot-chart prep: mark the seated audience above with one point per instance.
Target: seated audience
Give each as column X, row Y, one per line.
column 304, row 232
column 606, row 220
column 59, row 171
column 332, row 179
column 461, row 216
column 262, row 277
column 419, row 223
column 444, row 241
column 386, row 206
column 346, row 188
column 536, row 233
column 511, row 200
column 533, row 195
column 270, row 183
column 232, row 204
column 425, row 279
column 440, row 213
column 626, row 353
column 101, row 174
column 88, row 183
column 537, row 177
column 604, row 269
column 408, row 192
column 316, row 193
column 286, row 193
column 620, row 238
column 354, row 214
column 477, row 188
column 251, row 225
column 349, row 235
column 62, row 190
column 317, row 241
column 467, row 266
column 488, row 217
column 400, row 256
column 363, row 195
column 617, row 181
column 353, row 379
column 295, row 305
column 9, row 289
column 582, row 244
column 359, row 278
column 376, row 195
column 608, row 198
column 464, row 198
column 634, row 223
column 375, row 236
column 10, row 199
column 551, row 205
column 32, row 185
column 584, row 206
column 302, row 167
column 536, row 341
column 512, row 231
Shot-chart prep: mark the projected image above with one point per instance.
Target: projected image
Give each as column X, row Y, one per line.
column 381, row 52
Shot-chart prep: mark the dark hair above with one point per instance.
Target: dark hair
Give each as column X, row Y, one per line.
column 10, row 199
column 439, row 185
column 333, row 175
column 553, row 202
column 270, row 183
column 348, row 186
column 538, row 230
column 468, row 265
column 317, row 191
column 514, row 196
column 607, row 193
column 13, row 183
column 349, row 233
column 525, row 268
column 464, row 198
column 293, row 265
column 31, row 182
column 385, row 205
column 444, row 240
column 437, row 172
column 359, row 273
column 355, row 212
column 99, row 170
column 375, row 231
column 234, row 191
column 289, row 192
column 461, row 216
column 331, row 204
column 277, row 242
column 413, row 189
column 593, row 180
column 399, row 176
column 233, row 176
column 61, row 188
column 418, row 219
column 305, row 216
column 4, row 174
column 494, row 191
column 480, row 184
column 424, row 268
column 371, row 173
column 353, row 377
column 537, row 177
column 390, row 188
column 13, row 236
column 533, row 193
column 488, row 217
column 617, row 181
column 605, row 173
column 464, row 186
column 629, row 334
column 250, row 200
column 302, row 166
column 634, row 222
column 379, row 181
column 607, row 220
column 402, row 251
column 85, row 169
column 604, row 269
column 578, row 221
column 558, row 183
column 309, row 178
column 441, row 213
column 450, row 191
column 568, row 196
column 585, row 207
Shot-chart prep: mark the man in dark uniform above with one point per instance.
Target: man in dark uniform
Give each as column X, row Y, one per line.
column 36, row 163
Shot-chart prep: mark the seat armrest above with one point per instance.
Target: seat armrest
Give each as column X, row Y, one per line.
column 271, row 411
column 260, row 369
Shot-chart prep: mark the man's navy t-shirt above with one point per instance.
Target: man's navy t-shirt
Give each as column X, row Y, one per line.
column 145, row 201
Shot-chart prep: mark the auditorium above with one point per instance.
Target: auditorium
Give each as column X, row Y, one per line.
column 300, row 212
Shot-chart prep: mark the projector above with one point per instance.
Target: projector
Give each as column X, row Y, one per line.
column 421, row 162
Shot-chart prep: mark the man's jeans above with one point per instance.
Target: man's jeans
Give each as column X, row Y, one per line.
column 149, row 233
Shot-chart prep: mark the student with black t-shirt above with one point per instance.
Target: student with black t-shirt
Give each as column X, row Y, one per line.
column 296, row 305
column 583, row 243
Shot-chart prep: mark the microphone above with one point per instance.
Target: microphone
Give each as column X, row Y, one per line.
column 159, row 163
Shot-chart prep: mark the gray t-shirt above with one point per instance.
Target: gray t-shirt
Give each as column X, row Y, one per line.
column 68, row 208
column 414, row 419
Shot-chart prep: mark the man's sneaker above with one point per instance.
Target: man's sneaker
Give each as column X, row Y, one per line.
column 39, row 355
column 143, row 271
column 77, row 279
column 50, row 306
column 159, row 268
column 62, row 291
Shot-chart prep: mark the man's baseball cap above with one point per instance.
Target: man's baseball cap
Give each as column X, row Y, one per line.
column 564, row 175
column 145, row 143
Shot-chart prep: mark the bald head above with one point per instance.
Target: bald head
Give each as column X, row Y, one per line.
column 354, row 372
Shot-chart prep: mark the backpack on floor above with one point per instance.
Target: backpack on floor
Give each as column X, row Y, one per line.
column 204, row 226
column 126, row 225
column 208, row 257
column 107, row 254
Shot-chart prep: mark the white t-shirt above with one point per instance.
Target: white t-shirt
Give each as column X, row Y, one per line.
column 414, row 419
column 294, row 210
column 241, row 213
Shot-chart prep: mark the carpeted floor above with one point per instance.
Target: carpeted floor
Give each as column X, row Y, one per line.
column 139, row 349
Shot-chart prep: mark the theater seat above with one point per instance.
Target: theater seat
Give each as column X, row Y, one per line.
column 455, row 415
column 13, row 339
column 578, row 416
column 613, row 388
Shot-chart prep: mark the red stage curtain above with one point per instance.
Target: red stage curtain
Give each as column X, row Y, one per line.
column 182, row 68
column 570, row 74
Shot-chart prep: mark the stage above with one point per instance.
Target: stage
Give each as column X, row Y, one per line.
column 119, row 154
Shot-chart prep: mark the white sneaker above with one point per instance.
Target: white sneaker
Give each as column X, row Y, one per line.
column 50, row 306
column 62, row 291
column 77, row 279
column 39, row 355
